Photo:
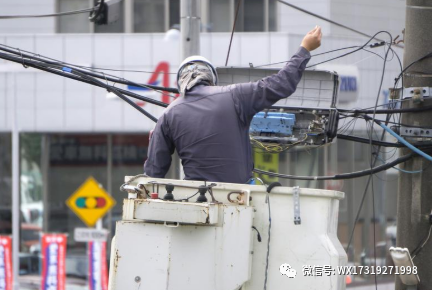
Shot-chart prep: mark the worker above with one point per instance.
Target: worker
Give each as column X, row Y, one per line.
column 208, row 125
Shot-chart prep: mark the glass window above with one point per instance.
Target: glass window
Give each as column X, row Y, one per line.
column 174, row 12
column 253, row 16
column 272, row 15
column 219, row 16
column 76, row 23
column 5, row 184
column 128, row 155
column 149, row 16
column 31, row 200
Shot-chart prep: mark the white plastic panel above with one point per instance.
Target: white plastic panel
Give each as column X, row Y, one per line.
column 184, row 257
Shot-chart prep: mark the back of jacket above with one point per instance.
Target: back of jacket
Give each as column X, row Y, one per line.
column 209, row 126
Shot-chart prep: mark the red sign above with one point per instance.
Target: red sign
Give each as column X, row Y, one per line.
column 162, row 69
column 53, row 261
column 98, row 278
column 5, row 263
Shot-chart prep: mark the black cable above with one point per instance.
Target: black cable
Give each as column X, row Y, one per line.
column 124, row 70
column 421, row 245
column 325, row 52
column 99, row 75
column 378, row 142
column 48, row 15
column 258, row 234
column 350, row 175
column 232, row 32
column 331, row 21
column 396, row 123
column 59, row 72
column 387, row 111
column 267, row 200
column 366, row 141
column 86, row 79
column 372, row 164
column 93, row 16
column 187, row 198
column 411, row 64
column 115, row 91
column 355, row 50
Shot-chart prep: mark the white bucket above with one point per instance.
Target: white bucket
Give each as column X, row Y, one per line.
column 311, row 247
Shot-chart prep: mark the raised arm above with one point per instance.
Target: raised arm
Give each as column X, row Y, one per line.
column 250, row 98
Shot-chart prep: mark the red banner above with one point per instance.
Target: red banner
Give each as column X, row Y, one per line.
column 53, row 261
column 98, row 274
column 5, row 263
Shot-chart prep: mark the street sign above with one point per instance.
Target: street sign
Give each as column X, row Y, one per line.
column 90, row 202
column 90, row 235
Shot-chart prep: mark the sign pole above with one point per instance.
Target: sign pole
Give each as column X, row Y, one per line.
column 15, row 191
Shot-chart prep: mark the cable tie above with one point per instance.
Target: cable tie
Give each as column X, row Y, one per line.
column 66, row 69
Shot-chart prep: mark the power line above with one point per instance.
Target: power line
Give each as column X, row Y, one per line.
column 331, row 21
column 48, row 15
column 232, row 32
column 350, row 175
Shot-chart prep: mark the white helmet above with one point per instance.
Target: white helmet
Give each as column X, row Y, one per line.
column 197, row 58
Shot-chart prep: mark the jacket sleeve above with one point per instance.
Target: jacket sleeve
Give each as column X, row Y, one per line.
column 160, row 150
column 251, row 98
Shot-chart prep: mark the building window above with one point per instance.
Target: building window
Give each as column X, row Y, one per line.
column 149, row 16
column 220, row 16
column 76, row 23
column 253, row 15
column 5, row 184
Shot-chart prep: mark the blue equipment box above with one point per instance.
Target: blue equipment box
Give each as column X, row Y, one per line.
column 272, row 122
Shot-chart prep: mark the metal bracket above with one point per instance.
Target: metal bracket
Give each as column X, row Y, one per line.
column 417, row 92
column 415, row 132
column 296, row 202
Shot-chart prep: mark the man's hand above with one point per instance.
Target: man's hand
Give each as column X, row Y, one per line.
column 312, row 39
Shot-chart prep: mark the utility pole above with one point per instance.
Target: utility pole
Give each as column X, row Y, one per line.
column 190, row 22
column 190, row 25
column 415, row 190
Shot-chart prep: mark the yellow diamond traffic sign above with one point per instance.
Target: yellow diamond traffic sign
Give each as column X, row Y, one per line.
column 90, row 202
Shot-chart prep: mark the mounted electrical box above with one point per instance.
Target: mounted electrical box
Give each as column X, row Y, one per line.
column 306, row 118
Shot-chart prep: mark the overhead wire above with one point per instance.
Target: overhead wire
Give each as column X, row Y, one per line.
column 372, row 164
column 49, row 15
column 76, row 75
column 232, row 32
column 330, row 21
column 92, row 72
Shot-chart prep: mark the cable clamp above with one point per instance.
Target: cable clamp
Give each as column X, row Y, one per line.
column 296, row 202
column 415, row 132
